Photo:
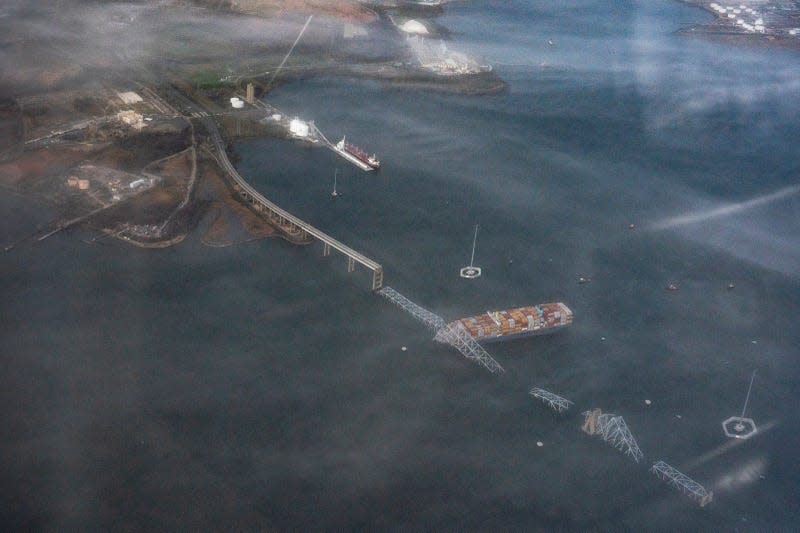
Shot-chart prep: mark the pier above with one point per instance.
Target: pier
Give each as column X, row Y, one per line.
column 315, row 134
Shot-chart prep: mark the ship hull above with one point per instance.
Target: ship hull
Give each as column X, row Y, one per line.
column 521, row 322
column 524, row 334
column 353, row 159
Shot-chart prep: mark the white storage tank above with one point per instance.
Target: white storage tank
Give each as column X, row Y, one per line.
column 298, row 128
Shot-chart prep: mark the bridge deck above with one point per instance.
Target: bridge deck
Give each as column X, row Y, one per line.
column 285, row 218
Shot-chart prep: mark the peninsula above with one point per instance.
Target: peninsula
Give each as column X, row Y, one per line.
column 114, row 134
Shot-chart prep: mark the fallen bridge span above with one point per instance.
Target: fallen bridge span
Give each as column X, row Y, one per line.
column 456, row 336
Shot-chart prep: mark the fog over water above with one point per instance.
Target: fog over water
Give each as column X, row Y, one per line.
column 145, row 41
column 261, row 386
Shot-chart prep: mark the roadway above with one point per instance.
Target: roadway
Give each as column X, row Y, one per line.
column 222, row 157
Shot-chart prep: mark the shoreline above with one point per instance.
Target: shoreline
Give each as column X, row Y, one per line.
column 736, row 28
column 80, row 120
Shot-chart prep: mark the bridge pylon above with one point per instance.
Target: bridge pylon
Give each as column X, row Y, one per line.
column 613, row 429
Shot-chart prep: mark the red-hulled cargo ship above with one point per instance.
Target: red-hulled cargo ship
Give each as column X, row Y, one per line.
column 517, row 323
column 357, row 155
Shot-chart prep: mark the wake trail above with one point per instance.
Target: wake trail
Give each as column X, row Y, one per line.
column 727, row 210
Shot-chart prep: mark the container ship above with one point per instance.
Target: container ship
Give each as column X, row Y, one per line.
column 357, row 156
column 516, row 323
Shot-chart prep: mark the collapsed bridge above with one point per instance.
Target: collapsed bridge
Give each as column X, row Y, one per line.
column 456, row 336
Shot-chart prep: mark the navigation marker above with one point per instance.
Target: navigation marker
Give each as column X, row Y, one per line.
column 471, row 271
column 739, row 427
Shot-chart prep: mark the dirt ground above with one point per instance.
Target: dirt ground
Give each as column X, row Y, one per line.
column 232, row 222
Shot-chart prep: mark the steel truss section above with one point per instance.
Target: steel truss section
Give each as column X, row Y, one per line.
column 614, row 430
column 432, row 320
column 556, row 402
column 459, row 338
column 456, row 336
column 682, row 482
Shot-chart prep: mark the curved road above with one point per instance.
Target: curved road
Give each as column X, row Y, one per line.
column 284, row 216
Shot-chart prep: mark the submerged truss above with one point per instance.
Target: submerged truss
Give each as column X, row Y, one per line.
column 556, row 402
column 682, row 482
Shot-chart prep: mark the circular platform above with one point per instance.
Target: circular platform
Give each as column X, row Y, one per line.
column 737, row 427
column 470, row 272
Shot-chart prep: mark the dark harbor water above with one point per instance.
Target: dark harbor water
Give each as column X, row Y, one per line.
column 263, row 387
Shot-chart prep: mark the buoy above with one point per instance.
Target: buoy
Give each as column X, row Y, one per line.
column 647, row 402
column 539, row 443
column 404, row 348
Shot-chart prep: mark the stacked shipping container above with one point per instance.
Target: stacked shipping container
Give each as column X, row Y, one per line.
column 518, row 322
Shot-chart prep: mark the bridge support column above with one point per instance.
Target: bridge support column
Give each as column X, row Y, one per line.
column 351, row 264
column 326, row 249
column 377, row 279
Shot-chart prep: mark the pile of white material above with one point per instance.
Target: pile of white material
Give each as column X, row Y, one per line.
column 131, row 118
column 414, row 26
